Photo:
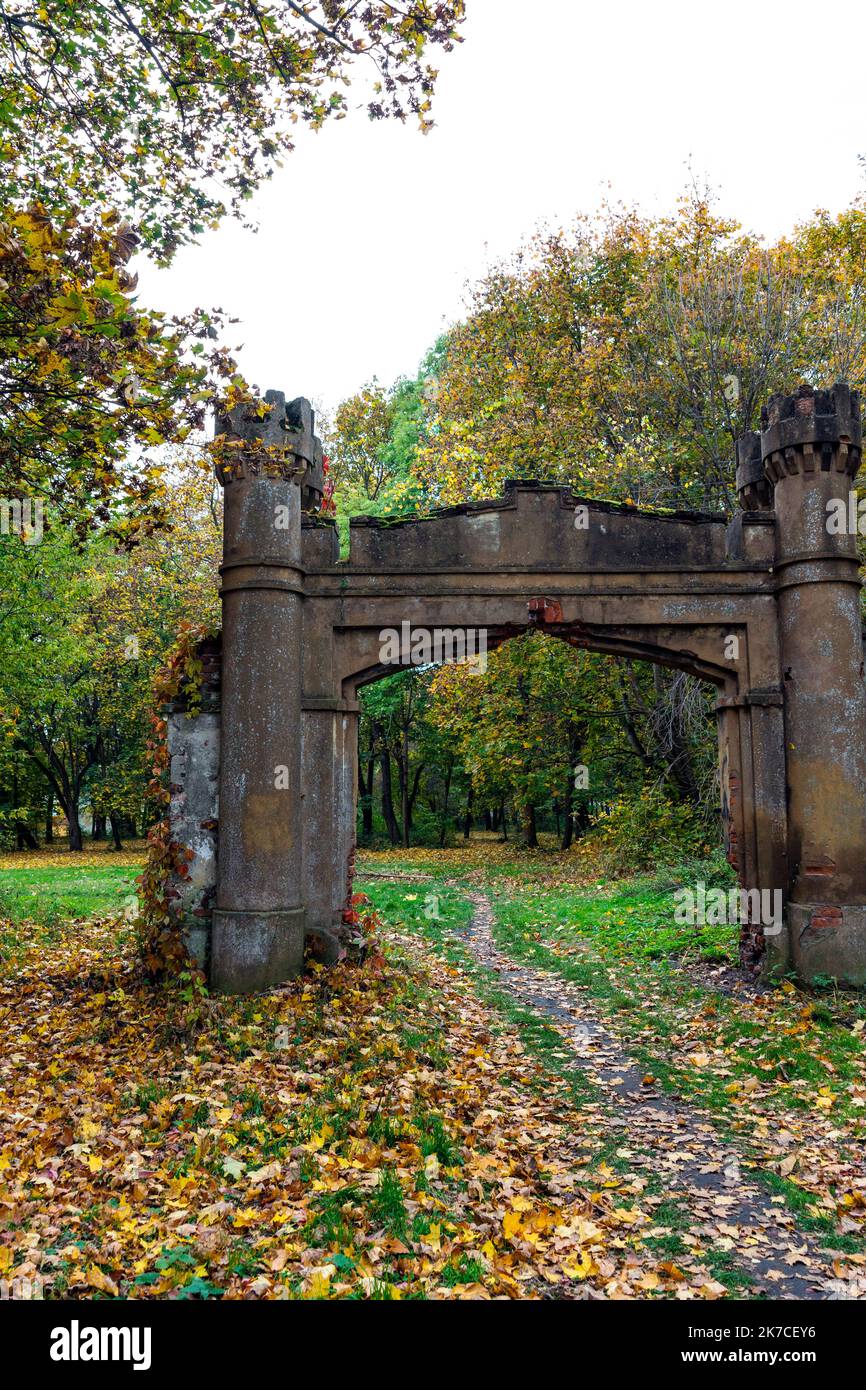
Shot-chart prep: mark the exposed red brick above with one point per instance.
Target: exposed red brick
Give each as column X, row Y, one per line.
column 826, row 917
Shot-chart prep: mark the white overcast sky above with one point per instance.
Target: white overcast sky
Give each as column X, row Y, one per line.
column 370, row 232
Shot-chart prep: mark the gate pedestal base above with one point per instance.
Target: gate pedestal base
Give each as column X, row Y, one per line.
column 251, row 951
column 777, row 960
column 828, row 939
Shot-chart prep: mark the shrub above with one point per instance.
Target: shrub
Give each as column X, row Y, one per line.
column 641, row 832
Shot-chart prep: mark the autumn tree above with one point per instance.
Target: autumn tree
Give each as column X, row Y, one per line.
column 145, row 594
column 125, row 126
column 626, row 355
column 519, row 727
column 372, row 443
column 25, row 803
column 48, row 698
column 395, row 708
column 84, row 627
column 88, row 379
column 172, row 112
column 359, row 441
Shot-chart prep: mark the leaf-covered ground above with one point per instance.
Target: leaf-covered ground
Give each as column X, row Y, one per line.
column 410, row 1128
column 372, row 1132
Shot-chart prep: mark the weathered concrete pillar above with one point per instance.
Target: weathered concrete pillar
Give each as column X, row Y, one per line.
column 738, row 847
column 756, row 732
column 258, row 926
column 346, row 824
column 810, row 446
column 330, row 779
column 194, row 751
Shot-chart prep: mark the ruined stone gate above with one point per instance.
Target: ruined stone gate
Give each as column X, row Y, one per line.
column 276, row 734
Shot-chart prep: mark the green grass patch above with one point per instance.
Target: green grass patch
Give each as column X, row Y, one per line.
column 51, row 895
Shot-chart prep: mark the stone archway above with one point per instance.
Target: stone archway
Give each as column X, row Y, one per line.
column 765, row 606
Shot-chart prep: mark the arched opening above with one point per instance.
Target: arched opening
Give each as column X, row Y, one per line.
column 555, row 726
column 617, row 751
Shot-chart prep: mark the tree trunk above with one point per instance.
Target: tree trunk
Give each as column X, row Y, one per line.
column 413, row 794
column 568, row 813
column 529, row 833
column 24, row 836
column 675, row 745
column 367, row 809
column 388, row 797
column 467, row 817
column 405, row 806
column 405, row 797
column 67, row 790
column 365, row 787
column 49, row 819
column 76, row 843
column 98, row 829
column 408, row 788
column 115, row 831
column 444, row 826
column 568, row 799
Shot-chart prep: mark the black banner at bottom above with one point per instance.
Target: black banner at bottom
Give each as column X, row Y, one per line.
column 63, row 1340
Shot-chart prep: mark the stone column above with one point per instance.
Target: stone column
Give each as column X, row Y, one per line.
column 739, row 850
column 258, row 925
column 759, row 773
column 329, row 764
column 810, row 446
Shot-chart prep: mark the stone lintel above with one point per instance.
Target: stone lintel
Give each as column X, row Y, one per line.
column 759, row 698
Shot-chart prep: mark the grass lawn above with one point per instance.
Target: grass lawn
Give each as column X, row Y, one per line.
column 619, row 941
column 42, row 889
column 69, row 890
